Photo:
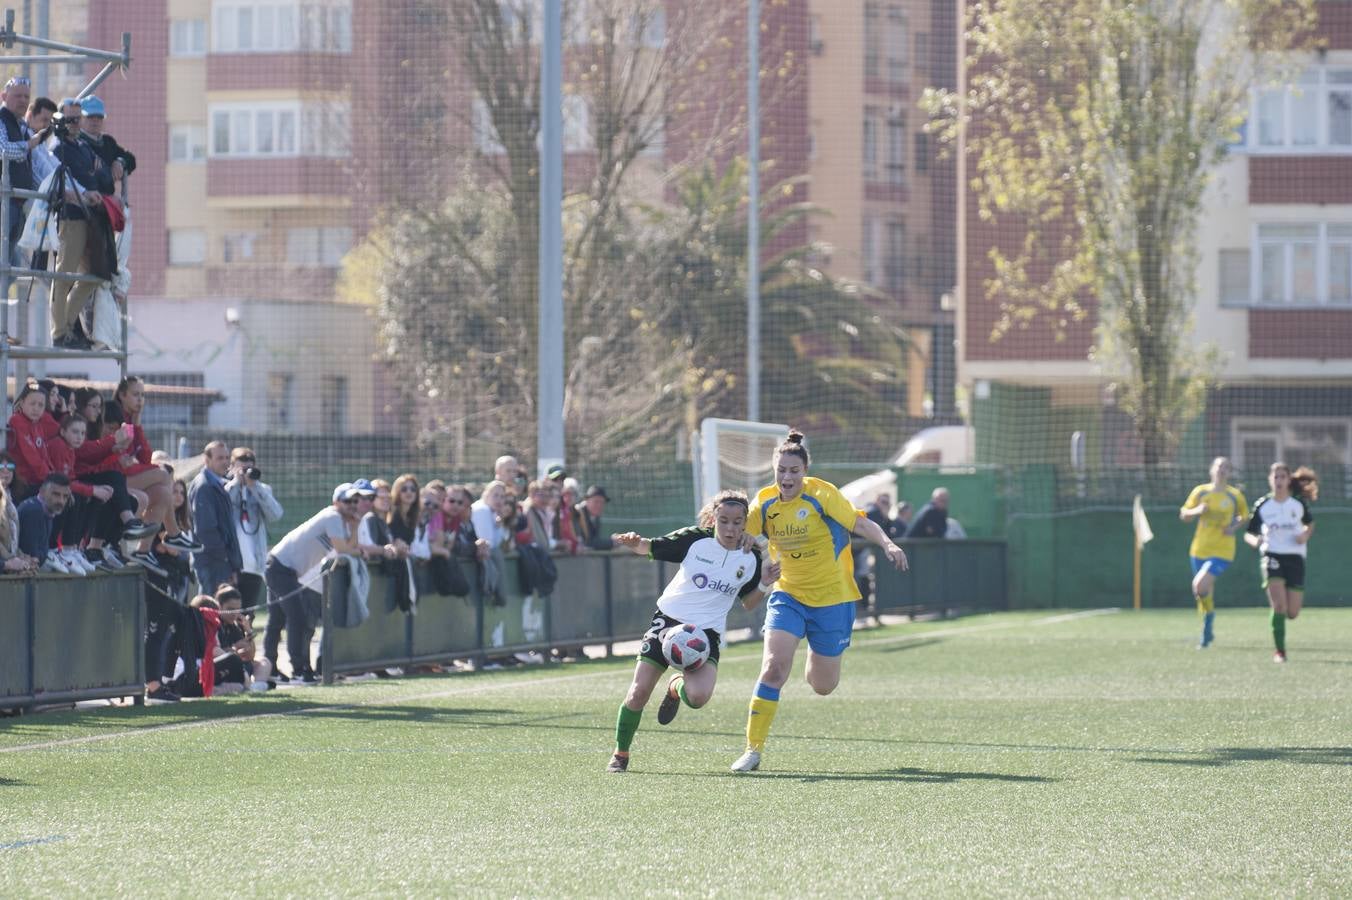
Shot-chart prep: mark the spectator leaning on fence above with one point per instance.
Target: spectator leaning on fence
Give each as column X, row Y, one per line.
column 219, row 561
column 119, row 160
column 253, row 508
column 589, row 528
column 301, row 550
column 932, row 522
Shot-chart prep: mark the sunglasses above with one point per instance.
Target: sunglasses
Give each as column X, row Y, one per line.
column 9, row 466
column 408, row 489
column 352, row 500
column 455, row 501
column 245, row 459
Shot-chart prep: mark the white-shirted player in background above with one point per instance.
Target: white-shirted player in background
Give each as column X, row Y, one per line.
column 714, row 572
column 1280, row 529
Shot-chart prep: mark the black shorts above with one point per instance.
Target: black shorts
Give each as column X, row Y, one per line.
column 1287, row 567
column 651, row 650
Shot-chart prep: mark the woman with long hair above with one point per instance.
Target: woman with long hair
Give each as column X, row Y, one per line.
column 127, row 406
column 1280, row 529
column 404, row 509
column 808, row 523
column 15, row 561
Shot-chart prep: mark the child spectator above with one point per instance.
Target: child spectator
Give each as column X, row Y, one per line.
column 30, row 428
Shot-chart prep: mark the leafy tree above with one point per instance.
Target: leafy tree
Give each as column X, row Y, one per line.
column 1093, row 125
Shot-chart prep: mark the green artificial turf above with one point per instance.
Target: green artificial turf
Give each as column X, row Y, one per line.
column 1026, row 754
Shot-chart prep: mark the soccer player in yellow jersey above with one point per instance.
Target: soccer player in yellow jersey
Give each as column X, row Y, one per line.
column 808, row 523
column 1220, row 512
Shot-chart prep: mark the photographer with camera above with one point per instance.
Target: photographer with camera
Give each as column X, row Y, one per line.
column 38, row 120
column 219, row 561
column 254, row 508
column 82, row 226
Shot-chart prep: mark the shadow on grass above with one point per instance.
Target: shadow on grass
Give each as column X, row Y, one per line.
column 906, row 774
column 12, row 782
column 1225, row 756
column 907, row 645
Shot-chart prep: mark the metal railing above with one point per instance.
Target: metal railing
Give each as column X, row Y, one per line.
column 112, row 61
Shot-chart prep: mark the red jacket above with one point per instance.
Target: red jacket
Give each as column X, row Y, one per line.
column 62, row 458
column 26, row 442
column 97, row 456
column 140, row 449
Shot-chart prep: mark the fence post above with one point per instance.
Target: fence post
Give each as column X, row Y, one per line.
column 325, row 638
column 610, row 610
column 32, row 644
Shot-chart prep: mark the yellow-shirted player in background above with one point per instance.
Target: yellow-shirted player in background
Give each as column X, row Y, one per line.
column 808, row 523
column 1220, row 512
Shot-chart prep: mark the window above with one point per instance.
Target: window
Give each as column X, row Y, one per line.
column 188, row 37
column 896, row 149
column 281, row 26
column 187, row 143
column 1317, row 442
column 922, row 51
column 897, row 44
column 896, row 257
column 1306, row 264
column 270, row 129
column 868, row 251
column 174, row 409
column 873, row 41
column 870, row 160
column 1234, row 277
column 333, row 404
column 238, row 247
column 1313, row 115
column 317, row 246
column 922, row 151
column 281, row 387
column 187, row 246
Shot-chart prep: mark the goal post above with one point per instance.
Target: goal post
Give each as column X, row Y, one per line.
column 733, row 454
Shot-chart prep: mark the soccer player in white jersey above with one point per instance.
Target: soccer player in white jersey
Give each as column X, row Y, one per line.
column 714, row 571
column 1280, row 528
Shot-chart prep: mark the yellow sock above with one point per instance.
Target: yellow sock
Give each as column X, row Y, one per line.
column 1206, row 604
column 763, row 706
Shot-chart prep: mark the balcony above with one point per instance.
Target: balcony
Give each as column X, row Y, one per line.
column 313, row 284
column 274, row 183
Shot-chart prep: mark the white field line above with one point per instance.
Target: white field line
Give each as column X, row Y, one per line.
column 507, row 685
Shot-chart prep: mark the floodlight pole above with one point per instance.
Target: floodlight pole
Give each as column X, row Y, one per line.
column 753, row 309
column 549, row 376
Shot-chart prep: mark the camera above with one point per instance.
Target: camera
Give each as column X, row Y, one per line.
column 253, row 473
column 61, row 126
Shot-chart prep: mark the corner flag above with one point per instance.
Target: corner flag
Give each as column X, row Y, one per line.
column 1140, row 525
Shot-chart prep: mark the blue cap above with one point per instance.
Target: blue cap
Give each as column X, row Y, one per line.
column 92, row 106
column 364, row 486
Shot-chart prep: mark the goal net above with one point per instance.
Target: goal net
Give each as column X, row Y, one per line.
column 734, row 455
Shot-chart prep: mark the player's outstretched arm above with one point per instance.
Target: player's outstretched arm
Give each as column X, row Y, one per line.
column 870, row 530
column 633, row 541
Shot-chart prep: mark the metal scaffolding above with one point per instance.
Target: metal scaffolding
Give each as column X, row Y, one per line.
column 113, row 61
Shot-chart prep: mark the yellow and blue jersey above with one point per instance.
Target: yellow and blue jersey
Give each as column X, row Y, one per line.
column 811, row 536
column 1222, row 506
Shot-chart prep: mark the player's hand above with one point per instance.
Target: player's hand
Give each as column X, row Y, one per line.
column 750, row 540
column 1303, row 537
column 770, row 573
column 629, row 539
column 897, row 557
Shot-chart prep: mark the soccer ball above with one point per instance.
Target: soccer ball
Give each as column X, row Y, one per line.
column 685, row 647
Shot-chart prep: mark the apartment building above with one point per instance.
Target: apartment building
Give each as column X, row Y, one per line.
column 1274, row 294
